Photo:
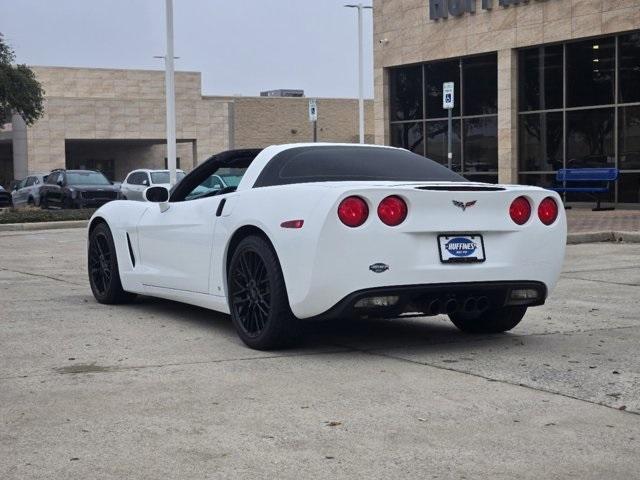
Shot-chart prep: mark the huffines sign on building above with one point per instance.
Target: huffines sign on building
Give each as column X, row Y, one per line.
column 443, row 8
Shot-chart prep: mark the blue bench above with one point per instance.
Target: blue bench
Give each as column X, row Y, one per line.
column 593, row 181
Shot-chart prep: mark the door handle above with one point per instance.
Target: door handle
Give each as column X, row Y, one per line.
column 220, row 207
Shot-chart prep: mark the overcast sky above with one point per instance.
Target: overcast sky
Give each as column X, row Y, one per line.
column 240, row 46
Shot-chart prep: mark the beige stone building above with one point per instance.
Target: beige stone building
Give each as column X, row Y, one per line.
column 539, row 85
column 114, row 120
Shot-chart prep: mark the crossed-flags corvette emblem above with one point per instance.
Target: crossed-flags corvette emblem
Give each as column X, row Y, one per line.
column 463, row 205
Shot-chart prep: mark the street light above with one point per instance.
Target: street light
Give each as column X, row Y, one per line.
column 360, row 7
column 170, row 95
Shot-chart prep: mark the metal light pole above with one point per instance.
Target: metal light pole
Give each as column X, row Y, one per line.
column 170, row 95
column 360, row 7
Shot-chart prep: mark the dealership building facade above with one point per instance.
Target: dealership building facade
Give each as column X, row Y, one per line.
column 539, row 85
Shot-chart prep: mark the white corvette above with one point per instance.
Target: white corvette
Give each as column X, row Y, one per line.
column 315, row 231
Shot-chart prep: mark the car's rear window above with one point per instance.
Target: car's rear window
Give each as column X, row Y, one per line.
column 351, row 163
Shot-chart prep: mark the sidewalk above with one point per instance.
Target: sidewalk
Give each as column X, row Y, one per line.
column 584, row 220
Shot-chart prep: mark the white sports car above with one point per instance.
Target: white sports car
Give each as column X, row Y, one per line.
column 315, row 231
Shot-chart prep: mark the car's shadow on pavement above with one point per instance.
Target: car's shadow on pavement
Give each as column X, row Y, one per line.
column 360, row 334
column 380, row 334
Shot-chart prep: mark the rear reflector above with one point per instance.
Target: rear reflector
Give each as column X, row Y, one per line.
column 520, row 210
column 548, row 211
column 353, row 211
column 372, row 302
column 524, row 294
column 392, row 210
column 292, row 224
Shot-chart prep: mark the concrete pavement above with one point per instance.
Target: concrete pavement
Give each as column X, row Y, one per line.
column 162, row 390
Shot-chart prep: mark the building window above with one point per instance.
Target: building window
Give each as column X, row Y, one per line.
column 406, row 94
column 571, row 117
column 590, row 72
column 419, row 123
column 541, row 78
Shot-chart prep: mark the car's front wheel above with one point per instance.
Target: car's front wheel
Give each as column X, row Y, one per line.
column 494, row 320
column 104, row 276
column 258, row 297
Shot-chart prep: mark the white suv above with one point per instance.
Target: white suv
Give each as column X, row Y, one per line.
column 27, row 191
column 137, row 182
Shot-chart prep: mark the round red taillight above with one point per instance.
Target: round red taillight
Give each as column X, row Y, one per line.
column 520, row 210
column 548, row 211
column 353, row 211
column 392, row 210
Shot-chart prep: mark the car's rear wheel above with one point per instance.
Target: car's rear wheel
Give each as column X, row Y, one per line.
column 44, row 202
column 104, row 276
column 258, row 297
column 494, row 320
column 30, row 201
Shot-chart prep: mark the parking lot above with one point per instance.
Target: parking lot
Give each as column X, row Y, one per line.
column 162, row 390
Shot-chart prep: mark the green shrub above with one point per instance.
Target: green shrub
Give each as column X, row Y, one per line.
column 31, row 215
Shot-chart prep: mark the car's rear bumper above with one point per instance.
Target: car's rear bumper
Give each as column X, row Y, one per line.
column 436, row 298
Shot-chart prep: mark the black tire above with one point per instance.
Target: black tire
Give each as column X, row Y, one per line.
column 67, row 203
column 258, row 297
column 30, row 201
column 44, row 202
column 104, row 276
column 495, row 320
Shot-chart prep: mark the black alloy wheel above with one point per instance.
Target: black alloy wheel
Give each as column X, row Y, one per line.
column 104, row 276
column 252, row 297
column 258, row 298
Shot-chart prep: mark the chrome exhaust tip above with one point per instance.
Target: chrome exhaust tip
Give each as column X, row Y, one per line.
column 435, row 307
column 482, row 304
column 451, row 306
column 470, row 304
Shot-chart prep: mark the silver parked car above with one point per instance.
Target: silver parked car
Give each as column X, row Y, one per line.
column 138, row 180
column 27, row 191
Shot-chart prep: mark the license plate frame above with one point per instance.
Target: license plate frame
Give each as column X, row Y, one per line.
column 479, row 253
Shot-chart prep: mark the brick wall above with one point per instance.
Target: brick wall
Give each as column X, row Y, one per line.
column 263, row 121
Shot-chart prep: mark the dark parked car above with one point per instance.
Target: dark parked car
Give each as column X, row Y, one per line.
column 5, row 198
column 77, row 189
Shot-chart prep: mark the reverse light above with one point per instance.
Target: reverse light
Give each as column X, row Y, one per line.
column 520, row 210
column 548, row 211
column 353, row 211
column 292, row 224
column 372, row 302
column 392, row 210
column 524, row 294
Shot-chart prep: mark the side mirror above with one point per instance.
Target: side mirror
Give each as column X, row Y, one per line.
column 60, row 182
column 145, row 183
column 156, row 194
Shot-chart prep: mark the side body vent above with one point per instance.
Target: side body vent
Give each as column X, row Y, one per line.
column 133, row 258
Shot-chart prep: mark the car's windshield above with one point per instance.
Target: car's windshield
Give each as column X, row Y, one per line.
column 163, row 177
column 231, row 176
column 223, row 178
column 87, row 178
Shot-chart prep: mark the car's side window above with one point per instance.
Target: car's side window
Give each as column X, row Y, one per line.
column 30, row 181
column 137, row 178
column 144, row 180
column 134, row 178
column 53, row 178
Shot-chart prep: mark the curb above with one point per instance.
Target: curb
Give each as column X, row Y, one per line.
column 595, row 237
column 21, row 227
